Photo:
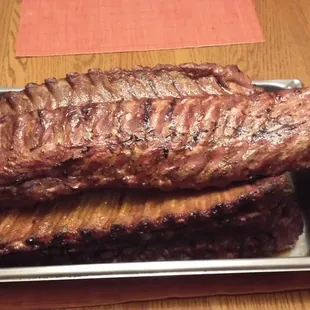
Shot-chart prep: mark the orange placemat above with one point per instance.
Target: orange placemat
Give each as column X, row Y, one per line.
column 56, row 27
column 77, row 293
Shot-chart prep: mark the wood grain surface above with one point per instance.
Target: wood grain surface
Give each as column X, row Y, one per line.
column 299, row 300
column 285, row 54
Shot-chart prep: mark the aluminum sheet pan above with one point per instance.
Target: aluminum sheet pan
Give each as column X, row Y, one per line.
column 296, row 259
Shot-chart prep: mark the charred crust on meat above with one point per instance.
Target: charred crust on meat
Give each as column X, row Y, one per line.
column 31, row 241
column 86, row 235
column 86, row 111
column 194, row 215
column 94, row 71
column 196, row 136
column 166, row 152
column 143, row 227
column 135, row 138
column 71, row 76
column 169, row 219
column 86, row 149
column 217, row 210
column 225, row 221
column 65, row 172
column 172, row 104
column 41, row 117
column 240, row 243
column 33, row 148
column 262, row 129
column 278, row 98
column 117, row 230
column 147, row 113
column 51, row 80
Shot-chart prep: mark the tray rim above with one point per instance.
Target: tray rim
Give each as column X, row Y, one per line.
column 154, row 269
column 159, row 269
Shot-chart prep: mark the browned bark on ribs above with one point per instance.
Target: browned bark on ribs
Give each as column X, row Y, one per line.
column 140, row 82
column 239, row 244
column 125, row 225
column 166, row 144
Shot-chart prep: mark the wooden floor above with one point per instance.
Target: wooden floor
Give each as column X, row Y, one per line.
column 285, row 54
column 282, row 301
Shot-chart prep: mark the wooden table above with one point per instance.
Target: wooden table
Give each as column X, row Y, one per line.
column 285, row 54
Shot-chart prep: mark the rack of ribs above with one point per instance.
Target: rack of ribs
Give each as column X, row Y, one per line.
column 160, row 81
column 200, row 142
column 252, row 220
column 157, row 130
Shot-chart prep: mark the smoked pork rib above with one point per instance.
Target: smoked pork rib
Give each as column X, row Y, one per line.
column 120, row 225
column 239, row 244
column 196, row 143
column 141, row 82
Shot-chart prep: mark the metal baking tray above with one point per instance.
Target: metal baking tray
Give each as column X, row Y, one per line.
column 297, row 259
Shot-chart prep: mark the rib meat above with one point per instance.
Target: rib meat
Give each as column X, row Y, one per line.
column 196, row 143
column 108, row 226
column 140, row 82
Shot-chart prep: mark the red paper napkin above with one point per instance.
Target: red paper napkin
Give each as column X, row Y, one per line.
column 57, row 27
